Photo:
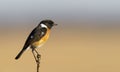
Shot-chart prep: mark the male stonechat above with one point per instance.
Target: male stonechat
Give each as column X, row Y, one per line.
column 38, row 36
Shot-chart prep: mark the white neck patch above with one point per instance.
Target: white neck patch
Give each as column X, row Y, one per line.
column 43, row 25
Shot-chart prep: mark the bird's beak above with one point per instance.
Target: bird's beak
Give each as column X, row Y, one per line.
column 55, row 24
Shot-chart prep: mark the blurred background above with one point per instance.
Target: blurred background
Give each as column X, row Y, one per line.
column 87, row 38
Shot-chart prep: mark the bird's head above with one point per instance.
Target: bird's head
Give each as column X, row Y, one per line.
column 47, row 23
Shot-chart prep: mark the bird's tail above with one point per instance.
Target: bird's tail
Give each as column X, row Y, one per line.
column 20, row 53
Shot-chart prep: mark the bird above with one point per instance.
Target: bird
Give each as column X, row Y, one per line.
column 38, row 36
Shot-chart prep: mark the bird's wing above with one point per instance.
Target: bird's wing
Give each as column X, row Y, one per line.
column 35, row 35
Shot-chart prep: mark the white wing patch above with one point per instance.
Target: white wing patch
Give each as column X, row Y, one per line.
column 31, row 37
column 42, row 33
column 43, row 25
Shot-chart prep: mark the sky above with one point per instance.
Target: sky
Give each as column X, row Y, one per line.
column 75, row 10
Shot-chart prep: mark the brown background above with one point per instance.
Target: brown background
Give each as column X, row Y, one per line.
column 70, row 48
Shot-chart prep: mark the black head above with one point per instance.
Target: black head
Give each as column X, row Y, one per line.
column 48, row 23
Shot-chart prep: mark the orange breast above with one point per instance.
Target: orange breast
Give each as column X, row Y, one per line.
column 42, row 40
